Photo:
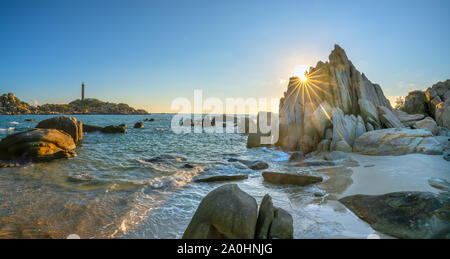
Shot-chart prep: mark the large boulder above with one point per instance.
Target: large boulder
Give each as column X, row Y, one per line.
column 294, row 179
column 37, row 145
column 397, row 142
column 404, row 214
column 67, row 124
column 415, row 102
column 443, row 114
column 282, row 226
column 388, row 118
column 334, row 92
column 226, row 212
column 427, row 124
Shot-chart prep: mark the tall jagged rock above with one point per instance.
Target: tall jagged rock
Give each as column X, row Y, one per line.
column 336, row 96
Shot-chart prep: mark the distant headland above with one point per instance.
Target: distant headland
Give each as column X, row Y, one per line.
column 11, row 105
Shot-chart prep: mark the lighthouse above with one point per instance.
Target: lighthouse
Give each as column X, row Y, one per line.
column 82, row 91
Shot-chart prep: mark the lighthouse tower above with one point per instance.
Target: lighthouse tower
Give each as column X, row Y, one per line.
column 82, row 91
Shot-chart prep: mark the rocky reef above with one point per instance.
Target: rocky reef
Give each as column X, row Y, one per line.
column 11, row 105
column 338, row 105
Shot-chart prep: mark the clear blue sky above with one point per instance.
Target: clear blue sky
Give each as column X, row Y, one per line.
column 146, row 53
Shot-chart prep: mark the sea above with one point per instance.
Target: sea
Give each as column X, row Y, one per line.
column 117, row 188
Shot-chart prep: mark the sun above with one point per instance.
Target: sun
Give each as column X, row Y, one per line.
column 300, row 71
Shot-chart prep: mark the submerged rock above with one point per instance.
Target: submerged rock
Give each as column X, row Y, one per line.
column 37, row 145
column 295, row 179
column 404, row 214
column 397, row 142
column 91, row 128
column 112, row 129
column 221, row 178
column 254, row 165
column 138, row 125
column 226, row 212
column 67, row 124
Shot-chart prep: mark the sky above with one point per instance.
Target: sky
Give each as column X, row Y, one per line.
column 147, row 53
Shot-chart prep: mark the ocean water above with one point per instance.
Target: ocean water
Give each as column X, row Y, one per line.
column 111, row 191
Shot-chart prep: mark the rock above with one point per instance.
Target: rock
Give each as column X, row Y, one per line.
column 91, row 128
column 388, row 118
column 28, row 120
column 408, row 119
column 439, row 183
column 254, row 140
column 427, row 124
column 9, row 165
column 37, row 145
column 67, row 124
column 316, row 163
column 335, row 156
column 415, row 102
column 404, row 214
column 368, row 111
column 138, row 125
column 114, row 129
column 282, row 226
column 265, row 218
column 165, row 157
column 226, row 212
column 446, row 155
column 295, row 179
column 324, row 145
column 397, row 142
column 255, row 165
column 369, row 127
column 343, row 146
column 258, row 165
column 220, row 178
column 443, row 114
column 296, row 156
column 335, row 87
column 149, row 119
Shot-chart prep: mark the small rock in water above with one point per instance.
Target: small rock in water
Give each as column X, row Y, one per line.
column 316, row 163
column 369, row 166
column 7, row 165
column 296, row 156
column 220, row 178
column 439, row 183
column 138, row 125
column 295, row 179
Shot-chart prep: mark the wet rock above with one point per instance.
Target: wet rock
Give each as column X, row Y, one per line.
column 67, row 124
column 397, row 142
column 112, row 129
column 149, row 119
column 37, row 145
column 221, row 178
column 316, row 163
column 296, row 156
column 295, row 179
column 404, row 214
column 439, row 183
column 226, row 212
column 282, row 226
column 139, row 125
column 28, row 120
column 265, row 218
column 9, row 165
column 446, row 155
column 255, row 165
column 91, row 128
column 335, row 156
column 166, row 157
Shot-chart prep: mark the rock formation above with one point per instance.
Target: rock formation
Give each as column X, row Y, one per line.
column 404, row 214
column 229, row 212
column 336, row 96
column 433, row 102
column 337, row 105
column 37, row 145
column 67, row 124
